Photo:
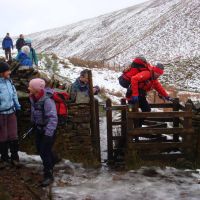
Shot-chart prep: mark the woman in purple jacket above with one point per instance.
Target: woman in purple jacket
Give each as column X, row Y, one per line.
column 44, row 118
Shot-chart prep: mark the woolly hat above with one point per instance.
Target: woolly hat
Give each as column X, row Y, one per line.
column 26, row 49
column 159, row 68
column 140, row 60
column 4, row 67
column 37, row 84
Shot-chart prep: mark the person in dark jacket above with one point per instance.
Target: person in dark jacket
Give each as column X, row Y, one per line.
column 80, row 88
column 20, row 42
column 44, row 118
column 7, row 44
column 9, row 104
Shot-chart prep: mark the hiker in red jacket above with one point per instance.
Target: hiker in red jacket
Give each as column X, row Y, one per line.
column 145, row 81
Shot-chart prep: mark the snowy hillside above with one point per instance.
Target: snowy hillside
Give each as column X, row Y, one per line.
column 160, row 29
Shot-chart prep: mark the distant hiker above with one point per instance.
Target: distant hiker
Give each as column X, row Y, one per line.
column 143, row 82
column 7, row 44
column 20, row 42
column 9, row 104
column 80, row 88
column 44, row 117
column 24, row 59
column 32, row 53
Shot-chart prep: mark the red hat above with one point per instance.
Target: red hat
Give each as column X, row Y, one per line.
column 140, row 60
column 159, row 68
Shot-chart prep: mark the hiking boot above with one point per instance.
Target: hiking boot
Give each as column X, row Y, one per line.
column 4, row 152
column 4, row 164
column 14, row 146
column 47, row 181
column 48, row 178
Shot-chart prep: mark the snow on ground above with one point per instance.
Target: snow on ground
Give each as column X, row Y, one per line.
column 74, row 182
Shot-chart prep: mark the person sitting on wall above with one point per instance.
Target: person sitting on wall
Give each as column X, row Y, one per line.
column 80, row 88
column 24, row 59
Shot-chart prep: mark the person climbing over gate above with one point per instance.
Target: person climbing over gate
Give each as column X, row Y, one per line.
column 45, row 120
column 145, row 81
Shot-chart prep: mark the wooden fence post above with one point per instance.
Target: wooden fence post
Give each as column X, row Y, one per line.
column 98, row 145
column 94, row 131
column 188, row 137
column 176, row 120
column 109, row 129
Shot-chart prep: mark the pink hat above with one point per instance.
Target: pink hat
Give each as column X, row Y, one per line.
column 37, row 84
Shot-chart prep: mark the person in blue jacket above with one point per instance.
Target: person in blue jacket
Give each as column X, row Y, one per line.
column 9, row 104
column 32, row 53
column 24, row 59
column 7, row 44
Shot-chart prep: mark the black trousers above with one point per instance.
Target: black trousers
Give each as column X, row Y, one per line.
column 44, row 147
column 145, row 107
column 143, row 104
column 8, row 54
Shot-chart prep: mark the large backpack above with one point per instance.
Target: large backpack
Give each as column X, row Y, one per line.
column 61, row 100
column 128, row 72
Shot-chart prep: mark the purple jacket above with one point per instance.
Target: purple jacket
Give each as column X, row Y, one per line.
column 44, row 114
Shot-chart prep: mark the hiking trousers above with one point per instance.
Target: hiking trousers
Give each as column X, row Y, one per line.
column 44, row 145
column 8, row 54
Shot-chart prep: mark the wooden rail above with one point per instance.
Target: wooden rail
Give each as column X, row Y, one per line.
column 156, row 137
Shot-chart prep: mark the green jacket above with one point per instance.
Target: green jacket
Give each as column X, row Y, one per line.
column 33, row 56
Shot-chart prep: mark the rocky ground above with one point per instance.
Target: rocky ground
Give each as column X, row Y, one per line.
column 21, row 184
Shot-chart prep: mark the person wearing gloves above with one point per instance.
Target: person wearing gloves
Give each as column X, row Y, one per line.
column 145, row 81
column 44, row 119
column 9, row 104
column 7, row 44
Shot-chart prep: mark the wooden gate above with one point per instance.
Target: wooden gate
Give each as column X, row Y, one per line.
column 152, row 135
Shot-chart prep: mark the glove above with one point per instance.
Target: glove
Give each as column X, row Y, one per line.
column 168, row 98
column 133, row 100
column 96, row 89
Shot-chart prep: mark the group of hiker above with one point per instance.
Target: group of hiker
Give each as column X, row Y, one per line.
column 139, row 78
column 26, row 56
column 47, row 111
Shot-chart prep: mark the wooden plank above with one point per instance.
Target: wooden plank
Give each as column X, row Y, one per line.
column 98, row 130
column 120, row 137
column 160, row 119
column 164, row 157
column 109, row 129
column 124, row 125
column 119, row 107
column 167, row 131
column 158, row 145
column 119, row 123
column 163, row 105
column 159, row 114
column 176, row 120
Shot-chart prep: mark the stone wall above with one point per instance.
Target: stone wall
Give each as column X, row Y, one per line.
column 73, row 141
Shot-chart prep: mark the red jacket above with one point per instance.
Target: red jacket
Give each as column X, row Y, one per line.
column 144, row 81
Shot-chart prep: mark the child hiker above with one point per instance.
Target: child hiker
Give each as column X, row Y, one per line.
column 44, row 118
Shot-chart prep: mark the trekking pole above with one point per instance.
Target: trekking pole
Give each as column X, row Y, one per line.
column 27, row 133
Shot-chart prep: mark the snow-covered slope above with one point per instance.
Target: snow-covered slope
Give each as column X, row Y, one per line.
column 159, row 29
